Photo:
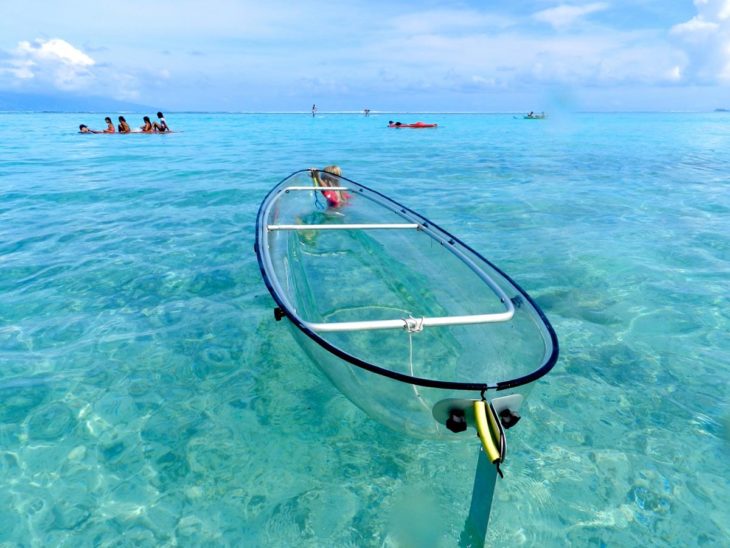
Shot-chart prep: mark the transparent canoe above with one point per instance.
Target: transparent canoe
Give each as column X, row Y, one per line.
column 400, row 315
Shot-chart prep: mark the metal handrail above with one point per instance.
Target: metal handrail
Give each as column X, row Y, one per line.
column 405, row 323
column 287, row 189
column 362, row 226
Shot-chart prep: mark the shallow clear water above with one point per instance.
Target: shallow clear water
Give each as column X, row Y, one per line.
column 147, row 396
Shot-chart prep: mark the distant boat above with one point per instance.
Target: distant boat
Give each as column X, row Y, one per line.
column 535, row 116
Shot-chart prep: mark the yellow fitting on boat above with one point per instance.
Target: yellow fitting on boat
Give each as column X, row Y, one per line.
column 314, row 174
column 485, row 430
column 494, row 427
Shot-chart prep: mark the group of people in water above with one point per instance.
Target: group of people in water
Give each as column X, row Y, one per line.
column 160, row 126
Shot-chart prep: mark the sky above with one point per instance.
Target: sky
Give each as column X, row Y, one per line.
column 397, row 55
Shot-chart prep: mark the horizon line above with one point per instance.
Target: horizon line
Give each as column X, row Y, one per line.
column 372, row 112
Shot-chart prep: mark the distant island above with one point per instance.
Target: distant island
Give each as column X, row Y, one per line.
column 65, row 102
column 722, row 110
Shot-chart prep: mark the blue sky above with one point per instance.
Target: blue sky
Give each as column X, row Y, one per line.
column 241, row 55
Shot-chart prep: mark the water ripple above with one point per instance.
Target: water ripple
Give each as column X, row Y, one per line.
column 148, row 398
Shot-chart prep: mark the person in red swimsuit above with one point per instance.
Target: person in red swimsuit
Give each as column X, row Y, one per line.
column 335, row 198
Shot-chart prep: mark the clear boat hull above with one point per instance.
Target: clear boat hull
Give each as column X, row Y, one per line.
column 398, row 313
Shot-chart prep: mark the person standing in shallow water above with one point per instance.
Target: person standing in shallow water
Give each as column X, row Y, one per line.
column 314, row 110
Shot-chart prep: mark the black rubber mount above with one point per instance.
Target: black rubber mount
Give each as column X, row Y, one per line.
column 509, row 418
column 456, row 421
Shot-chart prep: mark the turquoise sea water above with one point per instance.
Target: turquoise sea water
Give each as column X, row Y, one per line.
column 147, row 397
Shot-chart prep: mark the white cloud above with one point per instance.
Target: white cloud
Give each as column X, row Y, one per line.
column 20, row 69
column 695, row 27
column 55, row 50
column 448, row 20
column 564, row 15
column 49, row 62
column 706, row 41
column 501, row 60
column 42, row 65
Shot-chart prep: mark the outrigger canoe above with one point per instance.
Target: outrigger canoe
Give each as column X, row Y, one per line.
column 415, row 327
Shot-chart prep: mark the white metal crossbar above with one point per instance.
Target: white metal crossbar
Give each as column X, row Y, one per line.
column 424, row 322
column 318, row 188
column 364, row 226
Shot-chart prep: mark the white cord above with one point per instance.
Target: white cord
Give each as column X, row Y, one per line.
column 414, row 325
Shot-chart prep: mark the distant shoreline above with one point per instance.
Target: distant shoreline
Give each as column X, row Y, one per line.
column 360, row 113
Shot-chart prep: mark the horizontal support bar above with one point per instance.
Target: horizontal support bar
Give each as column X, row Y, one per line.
column 420, row 322
column 287, row 189
column 373, row 226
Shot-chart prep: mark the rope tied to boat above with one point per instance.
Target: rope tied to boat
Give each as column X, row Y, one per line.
column 413, row 325
column 317, row 204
